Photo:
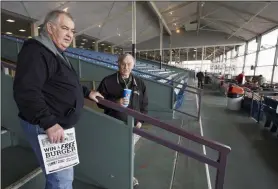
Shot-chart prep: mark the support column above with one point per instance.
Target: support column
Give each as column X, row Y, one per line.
column 96, row 46
column 34, row 29
column 231, row 56
column 74, row 42
column 170, row 48
column 245, row 54
column 202, row 58
column 214, row 60
column 224, row 60
column 257, row 53
column 161, row 43
column 180, row 56
column 112, row 50
column 134, row 29
column 275, row 62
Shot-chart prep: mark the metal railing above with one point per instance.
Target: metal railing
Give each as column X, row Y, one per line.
column 257, row 96
column 223, row 150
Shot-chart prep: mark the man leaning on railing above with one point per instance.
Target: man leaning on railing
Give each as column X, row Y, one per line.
column 113, row 88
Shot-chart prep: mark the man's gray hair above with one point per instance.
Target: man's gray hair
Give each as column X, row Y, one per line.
column 52, row 16
column 123, row 56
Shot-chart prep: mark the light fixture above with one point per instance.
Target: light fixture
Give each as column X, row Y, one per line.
column 109, row 46
column 9, row 33
column 22, row 30
column 93, row 42
column 30, row 37
column 178, row 30
column 84, row 39
column 82, row 43
column 171, row 12
column 39, row 27
column 175, row 24
column 66, row 9
column 102, row 44
column 99, row 25
column 10, row 20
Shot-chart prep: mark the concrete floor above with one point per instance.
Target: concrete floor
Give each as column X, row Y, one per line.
column 252, row 162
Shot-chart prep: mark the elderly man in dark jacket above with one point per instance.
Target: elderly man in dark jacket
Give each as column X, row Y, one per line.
column 47, row 90
column 112, row 87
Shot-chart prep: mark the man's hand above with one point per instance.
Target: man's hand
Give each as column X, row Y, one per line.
column 139, row 125
column 123, row 101
column 55, row 134
column 94, row 94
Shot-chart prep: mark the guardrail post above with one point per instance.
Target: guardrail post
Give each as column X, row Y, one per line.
column 220, row 174
column 251, row 108
column 79, row 67
column 260, row 107
column 94, row 85
column 199, row 102
column 17, row 47
column 130, row 123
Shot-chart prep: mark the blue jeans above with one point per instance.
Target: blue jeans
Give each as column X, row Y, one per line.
column 58, row 180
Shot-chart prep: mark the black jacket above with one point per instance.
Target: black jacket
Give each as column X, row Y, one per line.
column 200, row 75
column 112, row 90
column 46, row 87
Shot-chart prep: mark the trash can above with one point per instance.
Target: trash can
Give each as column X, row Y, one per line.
column 234, row 97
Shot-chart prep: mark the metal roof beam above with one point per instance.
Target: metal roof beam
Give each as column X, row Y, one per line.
column 174, row 8
column 155, row 9
column 198, row 17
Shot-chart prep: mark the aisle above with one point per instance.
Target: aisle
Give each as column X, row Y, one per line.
column 253, row 161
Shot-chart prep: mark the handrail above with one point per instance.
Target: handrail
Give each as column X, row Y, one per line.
column 159, row 77
column 219, row 164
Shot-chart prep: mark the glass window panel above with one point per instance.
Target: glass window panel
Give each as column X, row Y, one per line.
column 248, row 71
column 269, row 39
column 266, row 71
column 266, row 57
column 241, row 50
column 275, row 78
column 252, row 46
column 250, row 59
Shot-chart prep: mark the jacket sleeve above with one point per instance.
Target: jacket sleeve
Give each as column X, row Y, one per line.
column 31, row 73
column 86, row 91
column 103, row 91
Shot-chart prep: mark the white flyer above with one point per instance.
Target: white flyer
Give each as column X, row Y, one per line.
column 59, row 156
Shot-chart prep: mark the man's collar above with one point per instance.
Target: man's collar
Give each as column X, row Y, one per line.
column 132, row 77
